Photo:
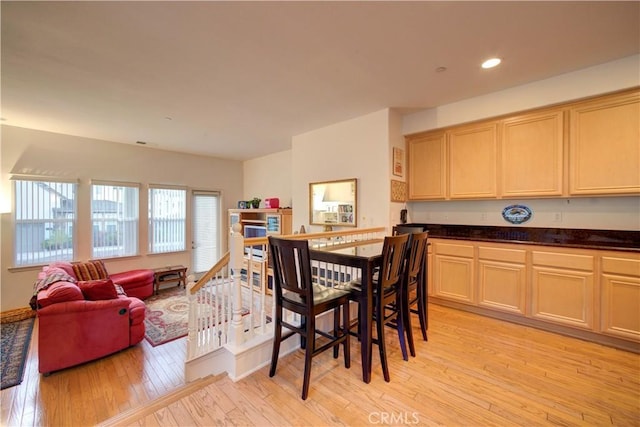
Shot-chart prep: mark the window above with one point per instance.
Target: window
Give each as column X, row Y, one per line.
column 44, row 218
column 167, row 219
column 114, row 220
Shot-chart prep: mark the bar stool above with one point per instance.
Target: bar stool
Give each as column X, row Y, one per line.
column 295, row 291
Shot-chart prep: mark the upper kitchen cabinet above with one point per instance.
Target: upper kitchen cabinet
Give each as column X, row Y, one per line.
column 427, row 166
column 532, row 154
column 604, row 145
column 473, row 161
column 586, row 147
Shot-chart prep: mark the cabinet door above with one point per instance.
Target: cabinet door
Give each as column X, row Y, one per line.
column 427, row 167
column 604, row 146
column 473, row 154
column 453, row 274
column 502, row 279
column 562, row 288
column 621, row 297
column 532, row 155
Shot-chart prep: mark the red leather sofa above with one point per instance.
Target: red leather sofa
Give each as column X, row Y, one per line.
column 82, row 320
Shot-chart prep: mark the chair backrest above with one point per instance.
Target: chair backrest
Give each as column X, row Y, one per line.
column 291, row 268
column 416, row 257
column 392, row 267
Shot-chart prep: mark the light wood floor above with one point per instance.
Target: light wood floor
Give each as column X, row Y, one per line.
column 474, row 371
column 95, row 391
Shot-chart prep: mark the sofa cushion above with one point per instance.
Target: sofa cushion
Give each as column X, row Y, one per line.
column 66, row 266
column 95, row 290
column 60, row 292
column 90, row 270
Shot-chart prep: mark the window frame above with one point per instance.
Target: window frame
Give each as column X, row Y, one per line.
column 136, row 229
column 65, row 252
column 152, row 245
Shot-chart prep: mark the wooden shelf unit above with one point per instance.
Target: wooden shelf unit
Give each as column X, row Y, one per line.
column 277, row 221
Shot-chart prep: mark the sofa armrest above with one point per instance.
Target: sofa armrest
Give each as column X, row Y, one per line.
column 136, row 283
column 74, row 332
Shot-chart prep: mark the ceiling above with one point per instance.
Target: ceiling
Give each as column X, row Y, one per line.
column 238, row 79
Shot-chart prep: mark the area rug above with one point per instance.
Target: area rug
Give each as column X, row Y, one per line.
column 167, row 316
column 14, row 345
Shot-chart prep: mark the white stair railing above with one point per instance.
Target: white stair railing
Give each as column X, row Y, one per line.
column 232, row 303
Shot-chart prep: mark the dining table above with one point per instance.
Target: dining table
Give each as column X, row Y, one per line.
column 364, row 256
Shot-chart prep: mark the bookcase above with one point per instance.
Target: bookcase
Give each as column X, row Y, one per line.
column 274, row 221
column 258, row 223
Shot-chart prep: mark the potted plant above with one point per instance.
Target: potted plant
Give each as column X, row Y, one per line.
column 255, row 202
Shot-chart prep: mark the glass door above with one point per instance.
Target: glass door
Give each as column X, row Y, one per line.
column 205, row 243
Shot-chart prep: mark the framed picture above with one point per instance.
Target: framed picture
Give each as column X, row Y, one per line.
column 398, row 161
column 398, row 191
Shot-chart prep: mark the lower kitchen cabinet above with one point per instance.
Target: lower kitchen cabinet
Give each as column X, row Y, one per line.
column 595, row 293
column 562, row 288
column 620, row 281
column 502, row 278
column 454, row 271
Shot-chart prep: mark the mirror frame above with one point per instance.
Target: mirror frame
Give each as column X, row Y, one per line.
column 338, row 209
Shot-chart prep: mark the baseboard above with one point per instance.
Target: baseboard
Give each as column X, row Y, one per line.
column 17, row 314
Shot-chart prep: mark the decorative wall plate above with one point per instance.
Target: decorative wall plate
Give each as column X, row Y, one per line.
column 398, row 191
column 516, row 214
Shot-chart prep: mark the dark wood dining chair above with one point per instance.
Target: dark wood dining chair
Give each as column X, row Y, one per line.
column 416, row 276
column 387, row 294
column 295, row 291
column 414, row 287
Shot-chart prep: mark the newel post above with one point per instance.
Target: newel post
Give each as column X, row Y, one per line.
column 236, row 334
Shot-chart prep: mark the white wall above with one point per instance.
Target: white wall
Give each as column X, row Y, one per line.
column 603, row 78
column 25, row 151
column 617, row 213
column 357, row 148
column 268, row 176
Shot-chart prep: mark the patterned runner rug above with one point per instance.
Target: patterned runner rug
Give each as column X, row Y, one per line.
column 167, row 316
column 14, row 345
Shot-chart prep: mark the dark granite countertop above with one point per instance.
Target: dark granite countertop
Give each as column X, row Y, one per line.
column 576, row 238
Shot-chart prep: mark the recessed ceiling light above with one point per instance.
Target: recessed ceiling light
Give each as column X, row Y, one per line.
column 490, row 63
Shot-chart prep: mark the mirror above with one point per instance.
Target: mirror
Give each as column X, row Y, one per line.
column 333, row 203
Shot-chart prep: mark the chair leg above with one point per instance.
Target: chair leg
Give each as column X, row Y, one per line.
column 401, row 322
column 381, row 345
column 308, row 356
column 277, row 338
column 347, row 336
column 406, row 318
column 336, row 330
column 422, row 313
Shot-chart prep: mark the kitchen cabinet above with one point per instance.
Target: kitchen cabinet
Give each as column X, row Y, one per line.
column 427, row 167
column 453, row 271
column 585, row 147
column 604, row 145
column 590, row 293
column 620, row 281
column 532, row 154
column 562, row 288
column 473, row 161
column 502, row 278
